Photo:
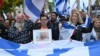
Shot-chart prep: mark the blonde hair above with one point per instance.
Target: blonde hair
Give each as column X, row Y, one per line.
column 79, row 17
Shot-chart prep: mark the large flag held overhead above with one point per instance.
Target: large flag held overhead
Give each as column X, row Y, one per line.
column 33, row 8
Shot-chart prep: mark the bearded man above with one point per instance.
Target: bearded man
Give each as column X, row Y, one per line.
column 20, row 31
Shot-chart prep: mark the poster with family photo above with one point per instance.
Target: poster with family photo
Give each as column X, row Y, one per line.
column 42, row 36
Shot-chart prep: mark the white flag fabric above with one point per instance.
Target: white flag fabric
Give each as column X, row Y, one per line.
column 33, row 8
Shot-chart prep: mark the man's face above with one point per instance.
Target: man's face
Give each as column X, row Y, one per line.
column 20, row 19
column 44, row 20
column 97, row 23
column 53, row 16
column 83, row 14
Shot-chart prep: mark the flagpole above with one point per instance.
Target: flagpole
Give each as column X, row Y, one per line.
column 78, row 4
column 89, row 8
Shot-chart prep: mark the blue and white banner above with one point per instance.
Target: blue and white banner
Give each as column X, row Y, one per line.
column 56, row 48
column 33, row 8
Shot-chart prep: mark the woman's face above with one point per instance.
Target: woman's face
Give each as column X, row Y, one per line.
column 74, row 18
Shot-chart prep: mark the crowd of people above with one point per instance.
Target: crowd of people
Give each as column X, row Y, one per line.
column 18, row 29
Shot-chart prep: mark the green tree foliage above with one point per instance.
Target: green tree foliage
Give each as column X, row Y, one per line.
column 9, row 5
column 97, row 2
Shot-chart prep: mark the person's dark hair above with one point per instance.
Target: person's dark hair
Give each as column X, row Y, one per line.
column 12, row 20
column 62, row 18
column 43, row 15
column 54, row 13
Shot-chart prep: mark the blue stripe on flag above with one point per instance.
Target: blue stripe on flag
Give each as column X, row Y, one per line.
column 32, row 8
column 92, row 38
column 5, row 44
column 58, row 12
column 89, row 22
column 94, row 50
column 92, row 43
column 59, row 2
column 57, row 52
column 68, row 26
column 18, row 52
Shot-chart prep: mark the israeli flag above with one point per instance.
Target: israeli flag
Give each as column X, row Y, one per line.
column 57, row 48
column 93, row 35
column 33, row 8
column 73, row 5
column 86, row 36
column 68, row 28
column 84, row 7
column 87, row 22
column 66, row 31
column 62, row 7
column 68, row 9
